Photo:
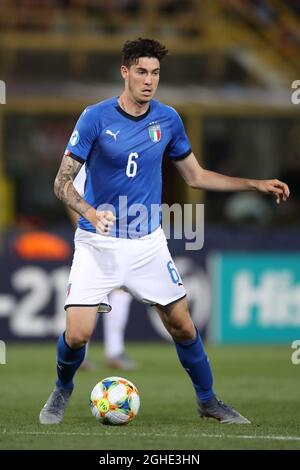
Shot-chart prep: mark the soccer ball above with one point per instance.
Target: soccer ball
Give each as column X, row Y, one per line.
column 115, row 400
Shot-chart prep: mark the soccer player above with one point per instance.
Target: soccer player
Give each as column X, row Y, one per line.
column 122, row 141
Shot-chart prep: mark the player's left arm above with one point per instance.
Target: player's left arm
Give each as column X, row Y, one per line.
column 199, row 178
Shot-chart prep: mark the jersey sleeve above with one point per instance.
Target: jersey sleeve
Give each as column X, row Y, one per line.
column 83, row 136
column 179, row 146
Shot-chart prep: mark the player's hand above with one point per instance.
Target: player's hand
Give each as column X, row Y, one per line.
column 279, row 189
column 104, row 222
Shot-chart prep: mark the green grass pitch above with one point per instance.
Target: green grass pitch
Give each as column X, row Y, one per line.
column 260, row 381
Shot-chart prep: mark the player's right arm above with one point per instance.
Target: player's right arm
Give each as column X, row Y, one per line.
column 65, row 191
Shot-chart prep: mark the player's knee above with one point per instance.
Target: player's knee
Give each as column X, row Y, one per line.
column 77, row 339
column 183, row 332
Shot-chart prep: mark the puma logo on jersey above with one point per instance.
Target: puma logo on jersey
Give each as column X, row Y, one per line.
column 112, row 134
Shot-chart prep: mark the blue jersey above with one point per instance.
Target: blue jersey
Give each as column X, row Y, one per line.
column 123, row 158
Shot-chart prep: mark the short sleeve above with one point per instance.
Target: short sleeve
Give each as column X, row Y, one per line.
column 83, row 136
column 179, row 146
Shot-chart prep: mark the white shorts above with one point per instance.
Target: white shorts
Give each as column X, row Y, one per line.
column 143, row 266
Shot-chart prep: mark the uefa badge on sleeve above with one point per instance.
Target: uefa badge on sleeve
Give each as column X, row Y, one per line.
column 74, row 138
column 155, row 132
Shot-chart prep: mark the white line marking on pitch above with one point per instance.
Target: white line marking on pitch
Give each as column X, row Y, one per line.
column 195, row 436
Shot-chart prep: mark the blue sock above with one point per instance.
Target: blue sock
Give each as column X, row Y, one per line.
column 68, row 361
column 193, row 358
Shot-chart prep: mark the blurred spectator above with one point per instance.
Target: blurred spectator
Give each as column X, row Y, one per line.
column 247, row 208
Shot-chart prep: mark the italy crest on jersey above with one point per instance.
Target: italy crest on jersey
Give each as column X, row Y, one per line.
column 155, row 132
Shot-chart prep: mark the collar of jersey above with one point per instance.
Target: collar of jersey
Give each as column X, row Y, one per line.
column 133, row 118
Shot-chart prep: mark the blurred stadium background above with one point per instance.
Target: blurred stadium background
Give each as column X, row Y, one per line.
column 230, row 76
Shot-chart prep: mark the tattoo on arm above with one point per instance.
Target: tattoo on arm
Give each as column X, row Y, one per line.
column 63, row 185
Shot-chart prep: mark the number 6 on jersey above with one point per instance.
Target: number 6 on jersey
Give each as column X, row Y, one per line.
column 131, row 168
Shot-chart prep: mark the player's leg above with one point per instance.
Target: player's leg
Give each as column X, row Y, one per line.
column 114, row 326
column 190, row 349
column 154, row 278
column 86, row 364
column 94, row 274
column 80, row 326
column 70, row 354
column 193, row 358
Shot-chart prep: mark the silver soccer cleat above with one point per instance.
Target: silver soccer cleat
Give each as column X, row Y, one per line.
column 53, row 410
column 218, row 410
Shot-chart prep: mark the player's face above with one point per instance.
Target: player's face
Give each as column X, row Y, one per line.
column 141, row 79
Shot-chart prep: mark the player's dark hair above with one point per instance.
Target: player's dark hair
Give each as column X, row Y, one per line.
column 133, row 50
